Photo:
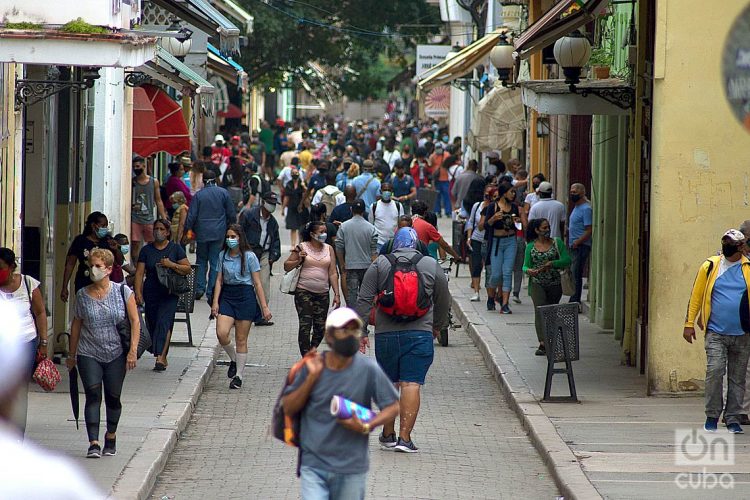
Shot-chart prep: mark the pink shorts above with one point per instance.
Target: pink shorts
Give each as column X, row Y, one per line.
column 141, row 232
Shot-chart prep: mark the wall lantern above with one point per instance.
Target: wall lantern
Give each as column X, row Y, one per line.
column 572, row 52
column 542, row 126
column 501, row 57
column 180, row 44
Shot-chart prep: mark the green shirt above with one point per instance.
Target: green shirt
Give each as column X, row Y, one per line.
column 266, row 137
column 557, row 253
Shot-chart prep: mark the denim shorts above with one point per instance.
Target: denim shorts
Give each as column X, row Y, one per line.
column 405, row 356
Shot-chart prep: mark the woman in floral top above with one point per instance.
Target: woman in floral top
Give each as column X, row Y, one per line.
column 544, row 258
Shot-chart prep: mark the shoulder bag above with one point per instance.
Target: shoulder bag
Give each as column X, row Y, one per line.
column 566, row 277
column 290, row 279
column 123, row 329
column 176, row 283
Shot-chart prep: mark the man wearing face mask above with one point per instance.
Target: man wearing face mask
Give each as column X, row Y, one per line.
column 145, row 199
column 262, row 233
column 719, row 306
column 334, row 457
column 385, row 214
column 579, row 235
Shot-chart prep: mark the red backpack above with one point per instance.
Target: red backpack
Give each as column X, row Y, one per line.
column 404, row 297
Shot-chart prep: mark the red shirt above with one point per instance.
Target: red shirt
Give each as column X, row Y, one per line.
column 220, row 155
column 426, row 232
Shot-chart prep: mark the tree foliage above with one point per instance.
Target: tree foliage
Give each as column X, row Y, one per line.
column 348, row 38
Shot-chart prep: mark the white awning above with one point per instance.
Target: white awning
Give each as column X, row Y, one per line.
column 499, row 121
column 234, row 11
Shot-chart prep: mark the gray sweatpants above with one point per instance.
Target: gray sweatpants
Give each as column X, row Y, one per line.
column 726, row 354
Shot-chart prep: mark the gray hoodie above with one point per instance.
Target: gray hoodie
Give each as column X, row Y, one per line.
column 436, row 285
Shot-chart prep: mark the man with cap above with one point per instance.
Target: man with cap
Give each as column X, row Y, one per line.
column 719, row 306
column 404, row 349
column 220, row 154
column 22, row 464
column 334, row 457
column 211, row 212
column 548, row 208
column 366, row 184
column 262, row 232
column 356, row 248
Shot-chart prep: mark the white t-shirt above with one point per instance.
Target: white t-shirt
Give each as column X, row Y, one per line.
column 390, row 157
column 531, row 198
column 725, row 265
column 386, row 219
column 264, row 232
column 286, row 175
column 455, row 171
column 339, row 198
column 553, row 211
column 21, row 301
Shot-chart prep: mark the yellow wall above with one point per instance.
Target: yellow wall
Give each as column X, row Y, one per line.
column 10, row 181
column 700, row 187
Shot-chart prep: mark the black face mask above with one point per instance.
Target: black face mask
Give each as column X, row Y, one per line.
column 535, row 185
column 729, row 249
column 137, row 171
column 575, row 198
column 346, row 347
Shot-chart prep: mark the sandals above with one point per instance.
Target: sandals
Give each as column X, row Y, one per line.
column 159, row 367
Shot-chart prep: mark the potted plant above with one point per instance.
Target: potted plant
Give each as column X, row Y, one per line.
column 601, row 61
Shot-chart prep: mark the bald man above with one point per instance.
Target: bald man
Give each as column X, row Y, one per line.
column 579, row 235
column 343, row 212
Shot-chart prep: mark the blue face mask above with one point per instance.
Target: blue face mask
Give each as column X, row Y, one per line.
column 102, row 232
column 386, row 196
column 124, row 249
column 446, row 138
column 175, row 205
column 232, row 242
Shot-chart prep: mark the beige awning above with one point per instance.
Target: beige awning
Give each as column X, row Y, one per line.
column 462, row 63
column 499, row 121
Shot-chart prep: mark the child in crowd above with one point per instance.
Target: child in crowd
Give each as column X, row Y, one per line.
column 127, row 266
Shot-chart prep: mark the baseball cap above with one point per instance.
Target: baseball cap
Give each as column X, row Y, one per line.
column 339, row 318
column 359, row 205
column 735, row 235
column 236, row 138
column 186, row 161
column 218, row 137
column 545, row 187
column 13, row 358
column 270, row 197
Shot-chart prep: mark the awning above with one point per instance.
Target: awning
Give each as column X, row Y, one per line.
column 145, row 133
column 563, row 18
column 462, row 63
column 172, row 131
column 169, row 70
column 499, row 121
column 205, row 17
column 232, row 111
column 117, row 50
column 234, row 11
column 592, row 97
column 227, row 68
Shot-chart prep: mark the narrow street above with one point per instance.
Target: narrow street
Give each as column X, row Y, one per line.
column 471, row 444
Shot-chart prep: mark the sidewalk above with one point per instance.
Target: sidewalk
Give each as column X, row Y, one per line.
column 156, row 408
column 617, row 443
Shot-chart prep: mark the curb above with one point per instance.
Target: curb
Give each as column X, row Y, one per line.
column 138, row 478
column 560, row 460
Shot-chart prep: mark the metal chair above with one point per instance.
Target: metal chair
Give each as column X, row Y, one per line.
column 185, row 305
column 561, row 341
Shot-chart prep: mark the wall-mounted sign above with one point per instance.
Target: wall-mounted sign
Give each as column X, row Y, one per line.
column 429, row 56
column 736, row 68
column 437, row 102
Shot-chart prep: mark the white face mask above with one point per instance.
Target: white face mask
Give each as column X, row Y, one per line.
column 322, row 237
column 270, row 207
column 97, row 274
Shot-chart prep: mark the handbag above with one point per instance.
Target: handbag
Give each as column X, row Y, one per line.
column 289, row 280
column 567, row 282
column 46, row 374
column 177, row 284
column 123, row 329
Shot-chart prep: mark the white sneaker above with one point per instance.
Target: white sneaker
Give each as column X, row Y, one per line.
column 475, row 298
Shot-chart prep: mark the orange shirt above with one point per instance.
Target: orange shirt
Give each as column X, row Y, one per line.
column 436, row 161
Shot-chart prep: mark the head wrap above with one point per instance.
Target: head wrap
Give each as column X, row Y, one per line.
column 406, row 237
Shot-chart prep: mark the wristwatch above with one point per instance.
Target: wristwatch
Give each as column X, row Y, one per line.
column 365, row 428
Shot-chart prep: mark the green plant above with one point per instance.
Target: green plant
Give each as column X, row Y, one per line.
column 81, row 26
column 24, row 25
column 602, row 56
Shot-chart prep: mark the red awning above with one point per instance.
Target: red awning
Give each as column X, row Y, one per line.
column 172, row 131
column 232, row 111
column 145, row 134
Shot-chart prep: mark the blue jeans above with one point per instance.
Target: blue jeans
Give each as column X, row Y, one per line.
column 319, row 484
column 580, row 256
column 207, row 254
column 444, row 195
column 502, row 257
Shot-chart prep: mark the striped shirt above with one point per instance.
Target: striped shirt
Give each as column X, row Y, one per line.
column 99, row 336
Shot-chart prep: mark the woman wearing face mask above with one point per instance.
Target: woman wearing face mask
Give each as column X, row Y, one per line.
column 95, row 235
column 318, row 273
column 160, row 305
column 479, row 245
column 25, row 295
column 544, row 257
column 234, row 300
column 297, row 213
column 96, row 348
column 179, row 205
column 319, row 212
column 499, row 221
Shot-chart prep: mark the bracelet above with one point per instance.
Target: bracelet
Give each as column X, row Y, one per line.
column 365, row 428
column 43, row 342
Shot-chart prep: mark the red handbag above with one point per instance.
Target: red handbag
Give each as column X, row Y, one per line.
column 46, row 374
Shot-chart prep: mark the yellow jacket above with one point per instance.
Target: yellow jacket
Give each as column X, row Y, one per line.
column 700, row 298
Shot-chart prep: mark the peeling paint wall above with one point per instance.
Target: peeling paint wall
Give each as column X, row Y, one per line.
column 700, row 184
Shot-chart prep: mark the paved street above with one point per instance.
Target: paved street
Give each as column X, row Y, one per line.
column 471, row 443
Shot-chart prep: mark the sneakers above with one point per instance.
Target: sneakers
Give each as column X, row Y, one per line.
column 110, row 447
column 541, row 351
column 95, row 451
column 516, row 298
column 712, row 424
column 490, row 304
column 734, row 428
column 387, row 442
column 475, row 298
column 405, row 446
column 236, row 383
column 506, row 309
column 232, row 371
